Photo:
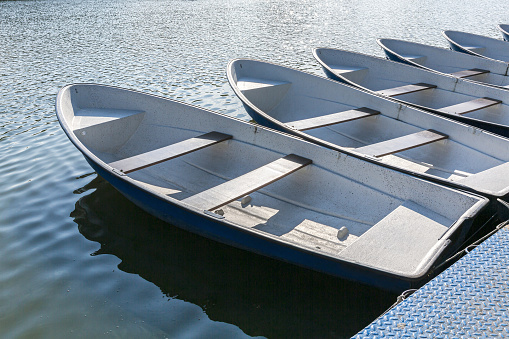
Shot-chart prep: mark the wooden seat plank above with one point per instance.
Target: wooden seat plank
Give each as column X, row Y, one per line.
column 234, row 189
column 470, row 106
column 406, row 89
column 469, row 72
column 332, row 119
column 402, row 143
column 169, row 152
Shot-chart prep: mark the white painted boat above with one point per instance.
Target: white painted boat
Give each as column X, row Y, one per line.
column 504, row 29
column 478, row 105
column 266, row 191
column 348, row 119
column 478, row 45
column 489, row 72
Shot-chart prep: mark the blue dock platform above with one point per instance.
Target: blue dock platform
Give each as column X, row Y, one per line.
column 468, row 300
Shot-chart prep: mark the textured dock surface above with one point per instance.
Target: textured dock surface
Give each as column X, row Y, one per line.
column 468, row 300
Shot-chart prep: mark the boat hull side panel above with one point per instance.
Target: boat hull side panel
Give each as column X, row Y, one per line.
column 218, row 230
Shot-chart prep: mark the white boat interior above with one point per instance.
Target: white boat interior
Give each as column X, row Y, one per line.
column 445, row 61
column 287, row 97
column 272, row 184
column 478, row 45
column 417, row 86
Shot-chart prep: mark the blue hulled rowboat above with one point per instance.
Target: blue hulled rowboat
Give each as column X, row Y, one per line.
column 266, row 191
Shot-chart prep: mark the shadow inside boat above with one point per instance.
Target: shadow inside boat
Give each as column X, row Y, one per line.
column 260, row 295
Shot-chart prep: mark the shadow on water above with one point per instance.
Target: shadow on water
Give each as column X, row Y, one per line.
column 260, row 295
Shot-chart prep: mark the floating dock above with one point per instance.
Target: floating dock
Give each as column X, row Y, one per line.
column 468, row 300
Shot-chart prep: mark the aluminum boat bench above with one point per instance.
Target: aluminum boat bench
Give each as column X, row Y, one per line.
column 332, row 119
column 470, row 106
column 406, row 89
column 169, row 152
column 469, row 73
column 403, row 143
column 250, row 182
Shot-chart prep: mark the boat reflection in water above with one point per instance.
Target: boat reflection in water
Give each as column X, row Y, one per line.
column 260, row 295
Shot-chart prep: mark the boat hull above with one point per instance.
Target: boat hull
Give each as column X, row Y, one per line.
column 226, row 233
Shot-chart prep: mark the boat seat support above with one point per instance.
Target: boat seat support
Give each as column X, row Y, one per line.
column 469, row 73
column 332, row 119
column 248, row 183
column 470, row 106
column 169, row 152
column 402, row 143
column 406, row 89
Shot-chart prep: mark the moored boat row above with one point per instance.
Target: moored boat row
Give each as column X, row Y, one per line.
column 357, row 185
column 472, row 57
column 268, row 192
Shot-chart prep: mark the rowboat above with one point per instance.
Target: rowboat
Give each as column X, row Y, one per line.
column 441, row 60
column 357, row 122
column 478, row 45
column 481, row 106
column 266, row 191
column 504, row 29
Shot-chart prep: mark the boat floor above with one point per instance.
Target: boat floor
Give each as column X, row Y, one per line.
column 266, row 212
column 309, row 208
column 380, row 235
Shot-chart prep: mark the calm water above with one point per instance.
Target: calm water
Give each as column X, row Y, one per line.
column 76, row 258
